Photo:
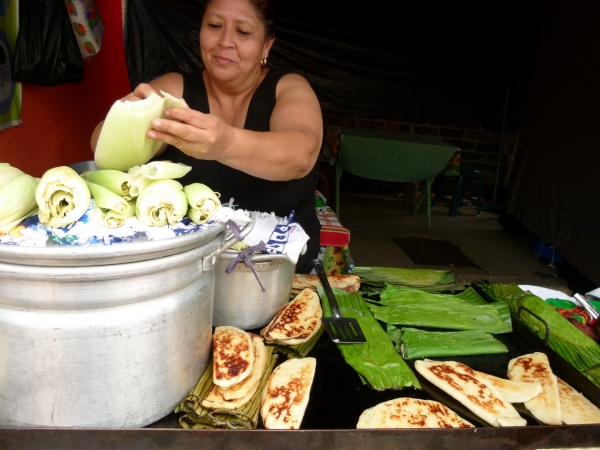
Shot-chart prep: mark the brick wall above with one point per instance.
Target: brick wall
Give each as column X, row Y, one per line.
column 479, row 146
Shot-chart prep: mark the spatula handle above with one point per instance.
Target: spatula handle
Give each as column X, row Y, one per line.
column 335, row 310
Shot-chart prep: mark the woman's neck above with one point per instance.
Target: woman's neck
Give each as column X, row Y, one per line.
column 230, row 100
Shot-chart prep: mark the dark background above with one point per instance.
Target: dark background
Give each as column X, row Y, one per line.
column 452, row 62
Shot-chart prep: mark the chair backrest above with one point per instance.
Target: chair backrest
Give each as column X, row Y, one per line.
column 393, row 157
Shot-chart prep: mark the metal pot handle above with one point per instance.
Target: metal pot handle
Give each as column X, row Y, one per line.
column 208, row 262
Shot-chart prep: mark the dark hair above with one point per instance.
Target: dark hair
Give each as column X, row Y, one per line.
column 267, row 10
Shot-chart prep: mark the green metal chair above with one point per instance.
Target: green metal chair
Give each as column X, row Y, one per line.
column 393, row 157
column 457, row 199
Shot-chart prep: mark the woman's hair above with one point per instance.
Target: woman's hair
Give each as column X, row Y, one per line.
column 267, row 10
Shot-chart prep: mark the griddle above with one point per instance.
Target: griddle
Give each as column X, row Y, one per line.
column 337, row 399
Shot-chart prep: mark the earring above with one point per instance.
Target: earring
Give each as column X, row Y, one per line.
column 263, row 62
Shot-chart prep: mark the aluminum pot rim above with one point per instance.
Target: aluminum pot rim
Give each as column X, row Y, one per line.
column 93, row 255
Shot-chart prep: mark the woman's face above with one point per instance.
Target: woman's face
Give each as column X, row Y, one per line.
column 232, row 39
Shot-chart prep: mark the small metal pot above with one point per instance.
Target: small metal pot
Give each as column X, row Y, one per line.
column 239, row 300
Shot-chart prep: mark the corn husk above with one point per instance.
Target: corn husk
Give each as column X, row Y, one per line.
column 122, row 143
column 7, row 173
column 465, row 311
column 113, row 180
column 565, row 338
column 113, row 219
column 164, row 170
column 413, row 343
column 376, row 362
column 203, row 202
column 197, row 416
column 108, row 200
column 62, row 197
column 422, row 279
column 17, row 197
column 162, row 202
column 136, row 181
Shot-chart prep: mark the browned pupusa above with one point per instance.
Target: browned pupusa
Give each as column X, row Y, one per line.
column 233, row 355
column 286, row 394
column 297, row 321
column 408, row 412
column 348, row 283
column 535, row 367
column 481, row 397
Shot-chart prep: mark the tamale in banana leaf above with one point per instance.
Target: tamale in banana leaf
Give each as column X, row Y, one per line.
column 377, row 362
column 465, row 311
column 568, row 341
column 301, row 350
column 428, row 280
column 197, row 416
column 413, row 343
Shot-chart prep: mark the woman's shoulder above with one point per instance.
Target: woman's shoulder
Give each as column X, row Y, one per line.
column 171, row 82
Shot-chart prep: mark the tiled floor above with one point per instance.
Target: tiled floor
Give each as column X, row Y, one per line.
column 375, row 220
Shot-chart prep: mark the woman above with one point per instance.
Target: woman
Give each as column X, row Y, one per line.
column 251, row 133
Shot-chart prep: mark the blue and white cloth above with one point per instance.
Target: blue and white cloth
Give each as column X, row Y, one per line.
column 283, row 236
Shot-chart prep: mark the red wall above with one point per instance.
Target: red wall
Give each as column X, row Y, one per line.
column 57, row 122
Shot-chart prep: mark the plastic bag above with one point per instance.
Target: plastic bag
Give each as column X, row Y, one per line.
column 46, row 51
column 87, row 25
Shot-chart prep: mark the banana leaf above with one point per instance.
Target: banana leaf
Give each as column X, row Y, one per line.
column 197, row 416
column 412, row 343
column 569, row 342
column 377, row 362
column 301, row 350
column 428, row 280
column 465, row 311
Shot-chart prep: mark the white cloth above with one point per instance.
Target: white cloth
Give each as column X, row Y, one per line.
column 282, row 236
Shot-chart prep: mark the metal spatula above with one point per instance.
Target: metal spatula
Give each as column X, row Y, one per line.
column 341, row 330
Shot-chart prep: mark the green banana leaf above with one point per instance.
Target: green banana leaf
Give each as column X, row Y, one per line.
column 377, row 362
column 465, row 311
column 428, row 280
column 412, row 343
column 569, row 342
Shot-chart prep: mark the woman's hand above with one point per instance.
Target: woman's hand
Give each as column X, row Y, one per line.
column 201, row 136
column 141, row 92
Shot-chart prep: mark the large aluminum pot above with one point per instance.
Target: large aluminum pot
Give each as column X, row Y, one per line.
column 115, row 338
column 239, row 300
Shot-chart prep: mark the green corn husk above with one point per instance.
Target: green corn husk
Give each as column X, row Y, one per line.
column 164, row 170
column 569, row 342
column 17, row 197
column 106, row 199
column 113, row 180
column 136, row 181
column 301, row 350
column 162, row 202
column 62, row 197
column 111, row 218
column 7, row 173
column 203, row 202
column 122, row 142
column 422, row 279
column 465, row 311
column 197, row 416
column 376, row 362
column 412, row 343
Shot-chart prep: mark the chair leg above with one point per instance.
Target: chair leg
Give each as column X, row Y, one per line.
column 458, row 194
column 428, row 184
column 479, row 189
column 438, row 189
column 417, row 203
column 338, row 176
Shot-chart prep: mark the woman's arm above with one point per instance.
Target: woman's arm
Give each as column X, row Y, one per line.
column 288, row 151
column 170, row 82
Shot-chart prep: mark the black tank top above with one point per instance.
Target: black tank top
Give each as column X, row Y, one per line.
column 249, row 192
